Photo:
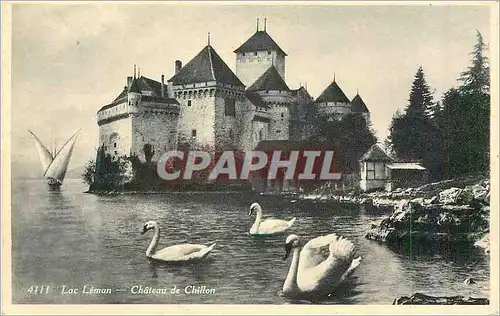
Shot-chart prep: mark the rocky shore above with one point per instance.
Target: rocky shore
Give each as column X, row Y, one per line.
column 422, row 299
column 436, row 214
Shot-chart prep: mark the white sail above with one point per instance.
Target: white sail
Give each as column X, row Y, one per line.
column 59, row 166
column 46, row 157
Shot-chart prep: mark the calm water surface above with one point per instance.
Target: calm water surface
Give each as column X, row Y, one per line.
column 72, row 239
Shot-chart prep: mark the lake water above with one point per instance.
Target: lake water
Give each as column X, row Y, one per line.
column 68, row 238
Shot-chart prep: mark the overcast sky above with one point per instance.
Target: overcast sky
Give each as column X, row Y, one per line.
column 68, row 60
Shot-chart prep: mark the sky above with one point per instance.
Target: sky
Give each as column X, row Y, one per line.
column 68, row 60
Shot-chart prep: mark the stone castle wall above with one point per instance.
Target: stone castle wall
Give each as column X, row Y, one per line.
column 250, row 66
column 158, row 129
column 116, row 137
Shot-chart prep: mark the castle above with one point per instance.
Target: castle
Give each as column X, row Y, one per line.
column 207, row 105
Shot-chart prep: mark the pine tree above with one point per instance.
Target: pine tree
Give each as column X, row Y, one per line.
column 414, row 135
column 471, row 116
column 476, row 79
column 420, row 95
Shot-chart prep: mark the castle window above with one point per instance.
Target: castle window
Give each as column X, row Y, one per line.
column 116, row 153
column 243, row 54
column 255, row 53
column 282, row 115
column 114, row 145
column 261, row 134
column 229, row 107
column 193, row 133
column 189, row 102
column 269, row 52
column 231, row 136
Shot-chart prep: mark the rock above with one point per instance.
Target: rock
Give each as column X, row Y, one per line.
column 449, row 196
column 484, row 243
column 432, row 200
column 422, row 299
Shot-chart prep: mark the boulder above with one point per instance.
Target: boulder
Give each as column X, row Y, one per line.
column 422, row 299
column 449, row 196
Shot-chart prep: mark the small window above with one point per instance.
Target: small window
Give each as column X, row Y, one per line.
column 114, row 145
column 193, row 133
column 255, row 53
column 269, row 52
column 243, row 54
column 261, row 135
column 189, row 102
column 116, row 153
column 229, row 107
column 231, row 135
column 282, row 115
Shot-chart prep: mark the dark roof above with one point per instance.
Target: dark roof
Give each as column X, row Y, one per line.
column 375, row 153
column 333, row 93
column 134, row 87
column 206, row 66
column 260, row 41
column 255, row 98
column 143, row 84
column 358, row 105
column 122, row 94
column 270, row 80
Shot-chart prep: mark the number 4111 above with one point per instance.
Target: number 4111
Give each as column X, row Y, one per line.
column 44, row 289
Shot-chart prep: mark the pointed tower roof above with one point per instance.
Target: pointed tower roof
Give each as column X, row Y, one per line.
column 260, row 41
column 270, row 80
column 358, row 105
column 375, row 153
column 333, row 93
column 134, row 87
column 206, row 66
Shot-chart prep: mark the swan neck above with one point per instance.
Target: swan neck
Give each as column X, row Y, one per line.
column 154, row 242
column 258, row 218
column 290, row 285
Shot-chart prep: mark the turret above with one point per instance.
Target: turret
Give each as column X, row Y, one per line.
column 256, row 55
column 134, row 94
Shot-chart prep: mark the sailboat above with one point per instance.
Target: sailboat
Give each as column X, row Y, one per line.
column 55, row 164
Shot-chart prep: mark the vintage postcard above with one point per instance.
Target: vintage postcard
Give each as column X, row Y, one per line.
column 249, row 157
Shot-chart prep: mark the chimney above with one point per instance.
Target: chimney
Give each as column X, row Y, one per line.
column 129, row 81
column 178, row 66
column 162, row 86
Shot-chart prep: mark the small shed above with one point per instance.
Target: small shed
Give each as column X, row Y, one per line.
column 373, row 169
column 405, row 175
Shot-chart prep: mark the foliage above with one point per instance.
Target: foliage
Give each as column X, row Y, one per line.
column 351, row 137
column 88, row 174
column 107, row 173
column 450, row 137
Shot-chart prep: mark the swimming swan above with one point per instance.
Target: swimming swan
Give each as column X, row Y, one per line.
column 269, row 226
column 323, row 264
column 177, row 253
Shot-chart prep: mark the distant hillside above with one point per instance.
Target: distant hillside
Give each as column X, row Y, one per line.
column 75, row 173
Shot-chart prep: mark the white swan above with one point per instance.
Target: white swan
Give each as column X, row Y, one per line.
column 269, row 226
column 323, row 264
column 177, row 253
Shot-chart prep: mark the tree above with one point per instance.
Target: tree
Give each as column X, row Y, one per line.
column 476, row 79
column 421, row 100
column 414, row 134
column 351, row 137
column 469, row 116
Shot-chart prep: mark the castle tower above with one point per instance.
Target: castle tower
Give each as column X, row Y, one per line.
column 141, row 114
column 333, row 102
column 256, row 55
column 359, row 106
column 210, row 96
column 272, row 100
